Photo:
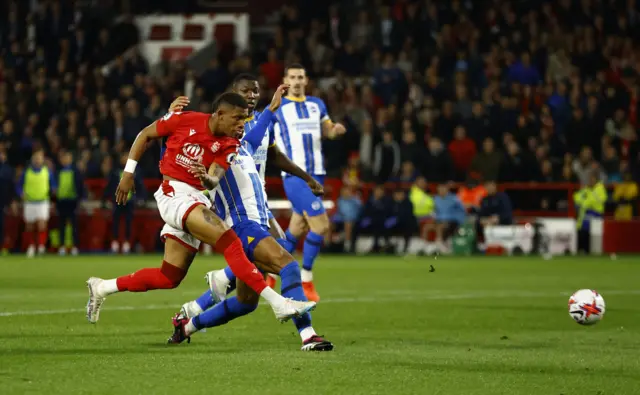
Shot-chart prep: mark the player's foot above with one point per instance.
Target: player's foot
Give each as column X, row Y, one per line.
column 179, row 333
column 96, row 299
column 126, row 247
column 271, row 281
column 190, row 309
column 62, row 251
column 217, row 285
column 31, row 251
column 310, row 291
column 42, row 249
column 316, row 343
column 74, row 251
column 115, row 247
column 292, row 308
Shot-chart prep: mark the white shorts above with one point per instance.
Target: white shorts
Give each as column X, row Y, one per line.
column 175, row 201
column 36, row 211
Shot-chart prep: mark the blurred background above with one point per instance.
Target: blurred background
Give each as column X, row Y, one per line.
column 472, row 126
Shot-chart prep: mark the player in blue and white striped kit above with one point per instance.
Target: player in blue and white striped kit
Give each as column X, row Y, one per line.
column 241, row 200
column 302, row 123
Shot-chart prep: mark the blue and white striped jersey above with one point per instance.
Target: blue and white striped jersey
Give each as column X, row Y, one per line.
column 260, row 155
column 240, row 195
column 299, row 132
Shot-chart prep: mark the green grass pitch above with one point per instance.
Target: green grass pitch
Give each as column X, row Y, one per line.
column 474, row 326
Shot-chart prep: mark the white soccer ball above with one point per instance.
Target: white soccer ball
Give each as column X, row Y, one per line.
column 586, row 306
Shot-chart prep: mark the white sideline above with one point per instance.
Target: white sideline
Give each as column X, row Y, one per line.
column 371, row 299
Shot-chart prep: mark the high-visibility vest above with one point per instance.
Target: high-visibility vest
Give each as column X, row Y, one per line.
column 36, row 185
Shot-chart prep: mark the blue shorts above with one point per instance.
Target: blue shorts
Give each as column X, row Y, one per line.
column 301, row 198
column 251, row 233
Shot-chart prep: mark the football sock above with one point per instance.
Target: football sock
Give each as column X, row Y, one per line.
column 311, row 250
column 205, row 300
column 165, row 277
column 231, row 278
column 230, row 245
column 222, row 313
column 28, row 238
column 289, row 242
column 42, row 238
column 307, row 276
column 292, row 288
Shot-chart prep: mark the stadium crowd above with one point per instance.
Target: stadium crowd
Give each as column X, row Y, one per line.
column 455, row 91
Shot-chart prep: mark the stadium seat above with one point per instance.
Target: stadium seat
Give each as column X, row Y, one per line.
column 193, row 32
column 176, row 53
column 160, row 32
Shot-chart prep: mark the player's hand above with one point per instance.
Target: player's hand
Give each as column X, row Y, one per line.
column 125, row 186
column 276, row 101
column 179, row 103
column 316, row 187
column 338, row 130
column 198, row 170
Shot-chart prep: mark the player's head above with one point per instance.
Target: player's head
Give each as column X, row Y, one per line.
column 66, row 158
column 247, row 86
column 443, row 189
column 229, row 112
column 37, row 158
column 491, row 187
column 296, row 77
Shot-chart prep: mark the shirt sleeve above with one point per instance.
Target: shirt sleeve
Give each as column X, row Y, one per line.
column 272, row 134
column 226, row 156
column 168, row 123
column 256, row 134
column 324, row 114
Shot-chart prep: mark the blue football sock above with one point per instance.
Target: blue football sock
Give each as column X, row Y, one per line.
column 311, row 250
column 205, row 300
column 230, row 275
column 222, row 313
column 292, row 288
column 290, row 242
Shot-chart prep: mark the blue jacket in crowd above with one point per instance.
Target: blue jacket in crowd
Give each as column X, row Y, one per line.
column 449, row 209
column 498, row 204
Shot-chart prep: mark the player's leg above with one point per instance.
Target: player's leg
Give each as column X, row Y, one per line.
column 179, row 252
column 42, row 225
column 297, row 228
column 207, row 227
column 115, row 228
column 63, row 219
column 128, row 221
column 29, row 228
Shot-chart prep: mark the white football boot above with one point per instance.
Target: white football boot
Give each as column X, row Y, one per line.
column 218, row 284
column 292, row 308
column 96, row 299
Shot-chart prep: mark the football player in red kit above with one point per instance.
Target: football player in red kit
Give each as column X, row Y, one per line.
column 193, row 138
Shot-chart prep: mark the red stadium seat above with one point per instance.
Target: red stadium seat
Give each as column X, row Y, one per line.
column 193, row 32
column 224, row 34
column 160, row 32
column 176, row 53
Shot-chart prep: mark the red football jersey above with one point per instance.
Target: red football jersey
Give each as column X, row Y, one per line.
column 190, row 141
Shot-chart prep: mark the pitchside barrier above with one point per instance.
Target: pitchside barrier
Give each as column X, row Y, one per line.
column 608, row 236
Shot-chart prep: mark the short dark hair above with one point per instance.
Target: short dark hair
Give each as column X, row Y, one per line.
column 244, row 77
column 294, row 66
column 231, row 99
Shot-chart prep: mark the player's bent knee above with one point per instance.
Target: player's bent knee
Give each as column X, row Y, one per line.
column 320, row 224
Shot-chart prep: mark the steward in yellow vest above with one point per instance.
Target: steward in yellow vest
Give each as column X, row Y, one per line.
column 590, row 203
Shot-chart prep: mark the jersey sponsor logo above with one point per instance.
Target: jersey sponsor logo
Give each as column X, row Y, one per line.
column 315, row 205
column 215, row 147
column 191, row 153
column 306, row 125
column 231, row 157
column 169, row 115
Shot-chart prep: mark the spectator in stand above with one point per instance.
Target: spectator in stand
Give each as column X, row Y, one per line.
column 374, row 215
column 349, row 208
column 590, row 202
column 625, row 197
column 449, row 215
column 70, row 192
column 410, row 149
column 351, row 175
column 272, row 69
column 495, row 208
column 472, row 193
column 386, row 162
column 462, row 150
column 524, row 72
column 401, row 219
column 517, row 165
column 407, row 174
column 585, row 165
column 6, row 195
column 611, row 164
column 437, row 165
column 487, row 162
column 126, row 210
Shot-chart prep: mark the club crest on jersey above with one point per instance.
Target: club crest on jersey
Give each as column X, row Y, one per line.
column 191, row 153
column 215, row 147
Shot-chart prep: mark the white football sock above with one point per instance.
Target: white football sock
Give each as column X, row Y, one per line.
column 222, row 276
column 271, row 296
column 307, row 332
column 190, row 329
column 307, row 275
column 108, row 287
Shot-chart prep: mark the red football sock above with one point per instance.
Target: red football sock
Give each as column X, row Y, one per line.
column 165, row 277
column 230, row 245
column 28, row 238
column 42, row 238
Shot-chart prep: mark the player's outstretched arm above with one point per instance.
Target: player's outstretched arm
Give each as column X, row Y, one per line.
column 255, row 136
column 138, row 148
column 282, row 162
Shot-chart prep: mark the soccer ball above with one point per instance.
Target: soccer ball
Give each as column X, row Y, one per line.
column 586, row 306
